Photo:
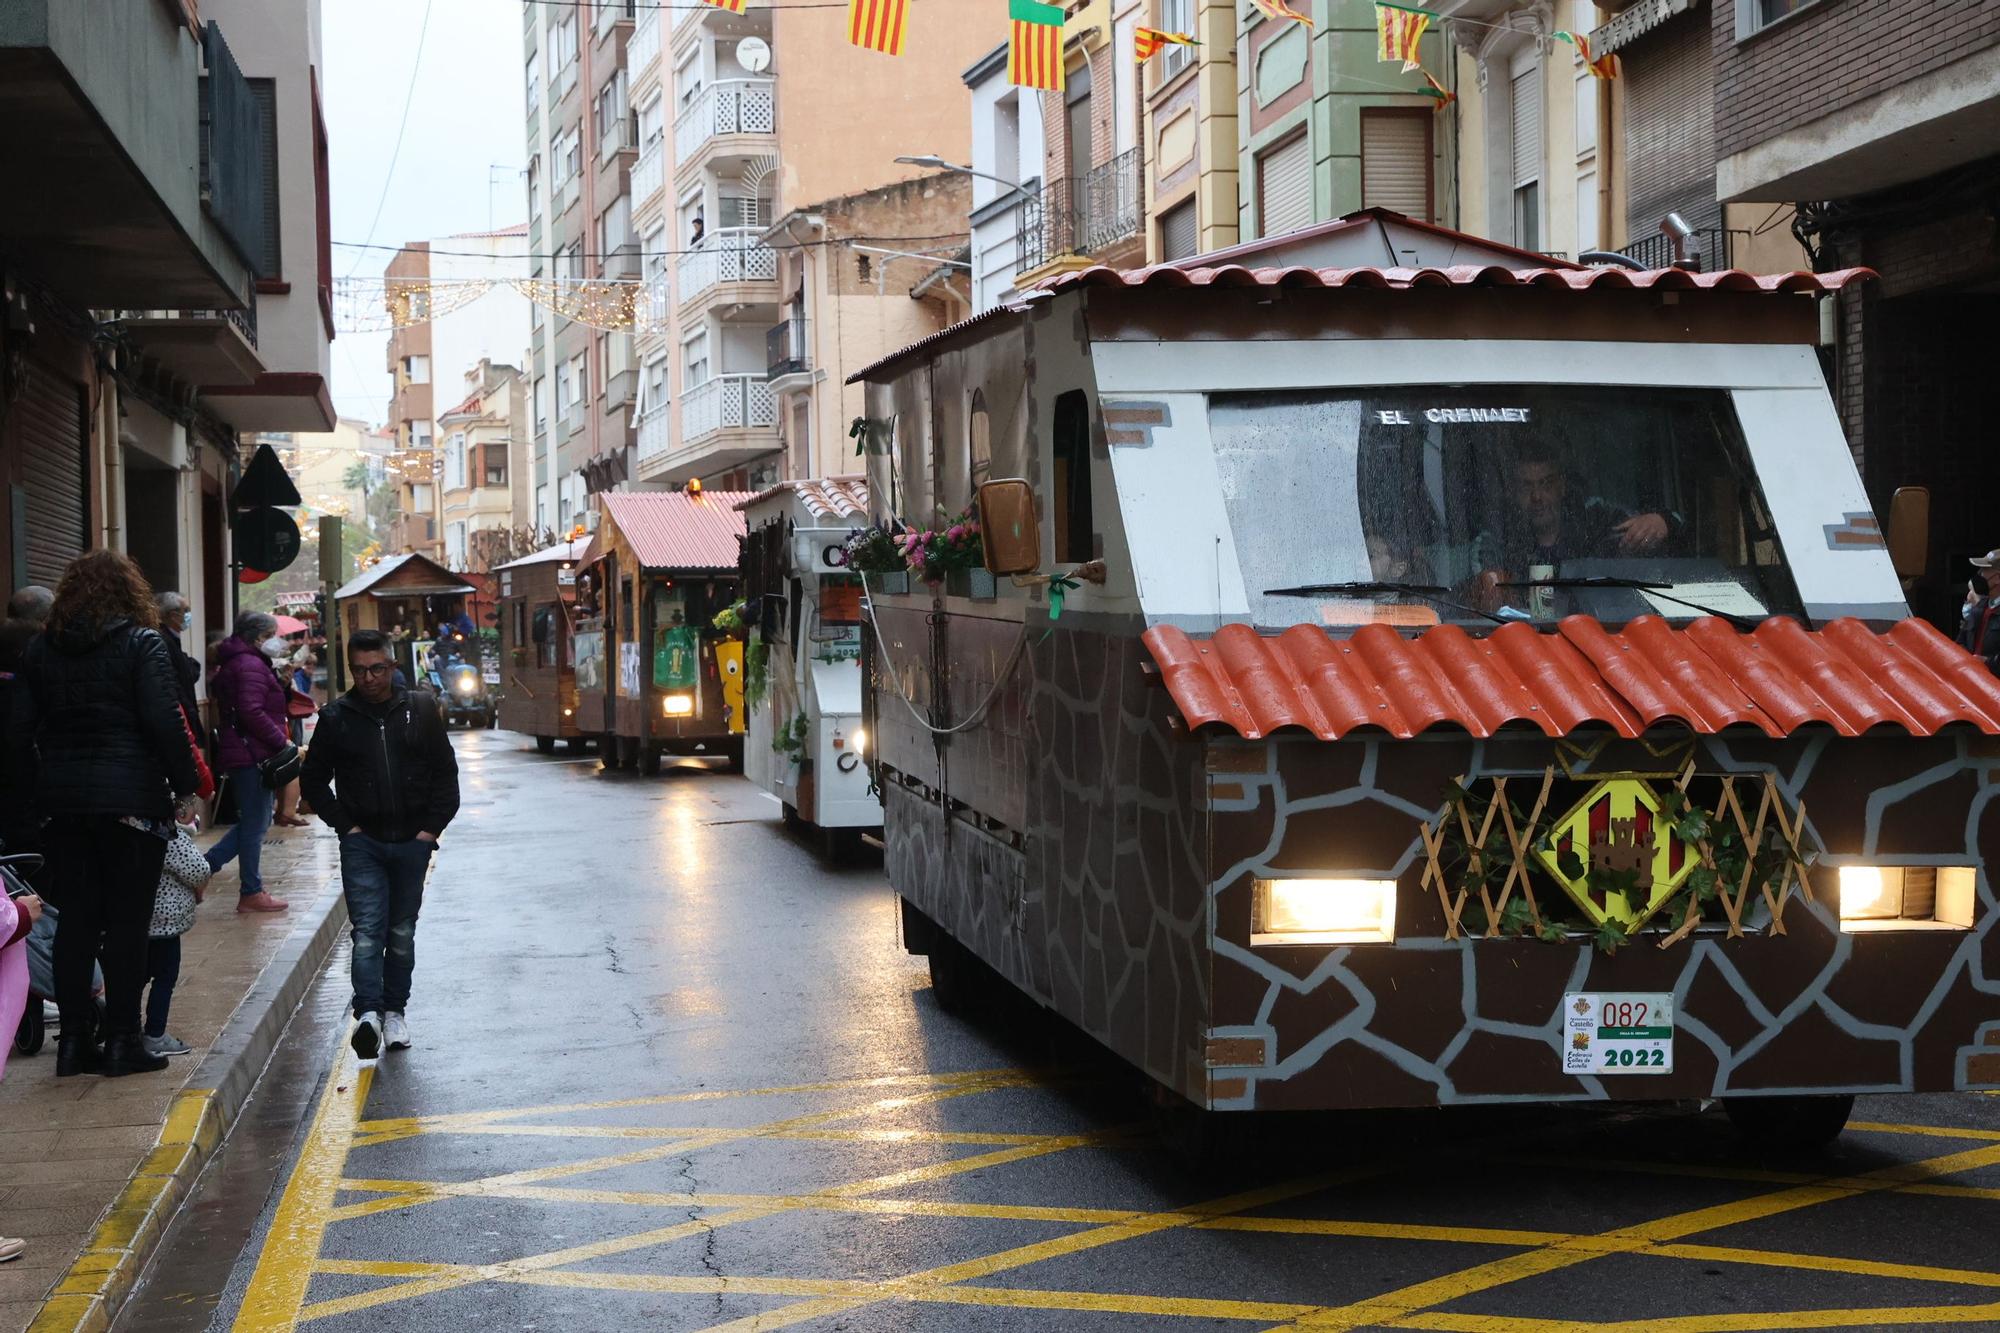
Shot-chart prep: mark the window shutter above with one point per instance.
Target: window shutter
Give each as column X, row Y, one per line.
column 265, row 93
column 1284, row 187
column 1178, row 235
column 1527, row 98
column 1670, row 128
column 1396, row 162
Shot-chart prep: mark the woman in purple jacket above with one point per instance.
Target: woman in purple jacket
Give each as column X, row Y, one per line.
column 250, row 712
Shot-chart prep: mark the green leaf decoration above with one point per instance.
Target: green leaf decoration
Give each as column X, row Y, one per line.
column 1610, row 937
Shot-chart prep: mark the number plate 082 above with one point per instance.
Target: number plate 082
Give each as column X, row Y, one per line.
column 1618, row 1033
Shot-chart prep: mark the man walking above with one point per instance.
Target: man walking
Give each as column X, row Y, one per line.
column 382, row 774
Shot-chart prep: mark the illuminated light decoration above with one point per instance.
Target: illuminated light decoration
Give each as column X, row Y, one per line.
column 694, row 487
column 877, row 25
column 861, row 741
column 1401, row 33
column 374, row 306
column 677, row 705
column 1874, row 898
column 1034, row 45
column 1323, row 911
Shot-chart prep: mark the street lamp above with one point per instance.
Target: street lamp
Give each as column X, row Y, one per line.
column 936, row 163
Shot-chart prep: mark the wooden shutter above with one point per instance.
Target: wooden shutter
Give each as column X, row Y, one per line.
column 1179, row 236
column 1670, row 127
column 1285, row 187
column 50, row 432
column 1396, row 160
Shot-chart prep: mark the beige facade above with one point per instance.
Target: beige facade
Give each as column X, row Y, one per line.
column 856, row 297
column 1191, row 131
column 482, row 506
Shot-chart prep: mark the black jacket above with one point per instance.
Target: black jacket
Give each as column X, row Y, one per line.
column 186, row 672
column 389, row 771
column 95, row 724
column 1979, row 634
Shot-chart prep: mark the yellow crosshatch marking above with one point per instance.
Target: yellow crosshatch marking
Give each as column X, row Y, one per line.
column 326, row 1191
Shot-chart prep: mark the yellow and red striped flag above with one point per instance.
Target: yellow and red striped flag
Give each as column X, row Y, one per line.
column 1604, row 66
column 877, row 25
column 1148, row 41
column 1278, row 9
column 1445, row 97
column 733, row 6
column 1401, row 30
column 1034, row 45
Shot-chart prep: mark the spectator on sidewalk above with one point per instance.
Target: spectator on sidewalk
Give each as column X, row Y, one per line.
column 249, row 728
column 182, row 881
column 97, row 736
column 382, row 774
column 280, row 652
column 17, row 918
column 173, row 624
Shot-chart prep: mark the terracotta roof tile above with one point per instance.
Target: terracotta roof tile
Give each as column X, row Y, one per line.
column 1708, row 676
column 1470, row 275
column 824, row 497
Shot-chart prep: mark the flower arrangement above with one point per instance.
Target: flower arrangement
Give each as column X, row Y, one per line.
column 729, row 620
column 952, row 546
column 874, row 550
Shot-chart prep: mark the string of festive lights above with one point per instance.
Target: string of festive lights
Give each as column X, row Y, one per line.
column 375, row 305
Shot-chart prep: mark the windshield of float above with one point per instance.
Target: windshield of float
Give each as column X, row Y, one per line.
column 1484, row 504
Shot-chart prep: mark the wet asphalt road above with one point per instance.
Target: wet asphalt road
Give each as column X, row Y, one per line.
column 674, row 1072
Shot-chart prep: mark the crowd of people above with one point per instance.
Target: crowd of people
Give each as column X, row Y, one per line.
column 104, row 781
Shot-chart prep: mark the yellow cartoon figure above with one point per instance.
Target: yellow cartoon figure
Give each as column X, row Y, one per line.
column 729, row 657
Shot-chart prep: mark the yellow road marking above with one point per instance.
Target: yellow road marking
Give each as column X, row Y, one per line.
column 1395, row 1307
column 666, row 1235
column 284, row 1269
column 1828, row 1263
column 680, row 1148
column 1637, row 1166
column 1928, row 1131
column 383, row 1130
column 1902, row 1317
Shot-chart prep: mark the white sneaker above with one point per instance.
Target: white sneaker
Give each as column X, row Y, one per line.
column 168, row 1044
column 367, row 1038
column 12, row 1248
column 396, row 1030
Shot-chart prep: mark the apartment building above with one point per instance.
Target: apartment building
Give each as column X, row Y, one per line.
column 1193, row 115
column 583, row 146
column 412, row 416
column 1008, row 157
column 748, row 253
column 483, row 508
column 165, row 274
column 1895, row 164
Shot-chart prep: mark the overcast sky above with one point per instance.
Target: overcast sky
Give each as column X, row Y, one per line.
column 467, row 115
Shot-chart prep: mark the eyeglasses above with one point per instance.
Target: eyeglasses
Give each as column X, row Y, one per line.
column 379, row 669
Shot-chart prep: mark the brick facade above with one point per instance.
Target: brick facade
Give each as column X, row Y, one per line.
column 1830, row 57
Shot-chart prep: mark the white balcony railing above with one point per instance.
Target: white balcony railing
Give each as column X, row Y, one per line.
column 728, row 402
column 649, row 173
column 729, row 255
column 732, row 106
column 644, row 47
column 618, row 136
column 654, row 436
column 656, row 303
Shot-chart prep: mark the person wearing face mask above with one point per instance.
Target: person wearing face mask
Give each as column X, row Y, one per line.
column 280, row 653
column 250, row 728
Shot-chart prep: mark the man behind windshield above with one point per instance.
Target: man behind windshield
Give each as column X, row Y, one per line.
column 1547, row 523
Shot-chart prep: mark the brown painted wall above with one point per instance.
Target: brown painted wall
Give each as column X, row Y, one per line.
column 1786, row 76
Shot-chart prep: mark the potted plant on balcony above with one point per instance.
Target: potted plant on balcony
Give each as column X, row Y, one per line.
column 877, row 554
column 950, row 554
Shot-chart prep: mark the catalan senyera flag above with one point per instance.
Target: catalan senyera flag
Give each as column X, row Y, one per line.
column 1604, row 66
column 1148, row 41
column 1278, row 9
column 733, row 6
column 1444, row 96
column 1034, row 44
column 1401, row 30
column 877, row 25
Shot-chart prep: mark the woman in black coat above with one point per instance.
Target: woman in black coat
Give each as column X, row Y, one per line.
column 98, row 737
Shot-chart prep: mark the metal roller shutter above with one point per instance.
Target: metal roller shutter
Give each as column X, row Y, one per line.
column 1285, row 187
column 1179, row 237
column 49, row 424
column 1527, row 111
column 1396, row 161
column 1670, row 126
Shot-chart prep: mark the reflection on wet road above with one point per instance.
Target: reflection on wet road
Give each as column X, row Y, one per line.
column 673, row 1072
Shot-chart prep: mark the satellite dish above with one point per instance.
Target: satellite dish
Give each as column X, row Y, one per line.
column 754, row 54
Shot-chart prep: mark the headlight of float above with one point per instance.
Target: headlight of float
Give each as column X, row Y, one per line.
column 1324, row 911
column 678, row 705
column 860, row 742
column 465, row 686
column 1907, row 897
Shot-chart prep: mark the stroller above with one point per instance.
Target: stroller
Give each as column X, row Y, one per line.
column 29, row 1037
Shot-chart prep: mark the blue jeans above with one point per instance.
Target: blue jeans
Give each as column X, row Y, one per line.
column 163, row 969
column 384, row 884
column 255, row 803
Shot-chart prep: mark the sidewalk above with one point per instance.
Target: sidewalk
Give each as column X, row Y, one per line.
column 72, row 1149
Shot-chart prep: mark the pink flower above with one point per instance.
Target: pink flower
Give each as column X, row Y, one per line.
column 957, row 533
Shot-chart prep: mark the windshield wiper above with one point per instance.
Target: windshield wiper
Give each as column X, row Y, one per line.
column 1653, row 586
column 1427, row 591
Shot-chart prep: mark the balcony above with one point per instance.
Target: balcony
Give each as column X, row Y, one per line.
column 656, row 304
column 207, row 348
column 620, row 136
column 656, row 436
column 621, row 263
column 726, row 108
column 567, row 194
column 649, row 174
column 725, row 423
column 644, row 48
column 1081, row 217
column 730, row 257
column 788, row 353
